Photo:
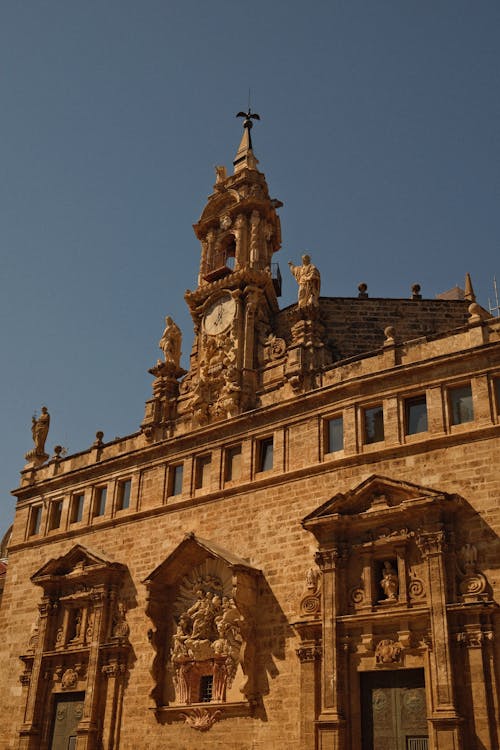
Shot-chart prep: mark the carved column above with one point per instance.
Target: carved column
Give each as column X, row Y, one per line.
column 88, row 727
column 309, row 654
column 29, row 735
column 254, row 239
column 444, row 721
column 331, row 723
column 477, row 645
column 115, row 672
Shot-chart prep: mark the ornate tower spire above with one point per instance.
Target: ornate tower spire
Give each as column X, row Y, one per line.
column 469, row 291
column 245, row 158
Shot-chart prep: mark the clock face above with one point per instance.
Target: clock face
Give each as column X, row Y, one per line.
column 219, row 315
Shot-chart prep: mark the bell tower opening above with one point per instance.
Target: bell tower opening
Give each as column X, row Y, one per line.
column 223, row 259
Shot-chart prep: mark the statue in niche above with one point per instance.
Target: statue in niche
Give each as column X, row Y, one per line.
column 390, row 581
column 467, row 556
column 170, row 342
column 309, row 280
column 40, row 430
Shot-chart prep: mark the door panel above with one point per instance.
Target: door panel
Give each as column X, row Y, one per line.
column 68, row 711
column 393, row 710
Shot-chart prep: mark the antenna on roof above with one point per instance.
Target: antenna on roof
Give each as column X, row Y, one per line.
column 494, row 309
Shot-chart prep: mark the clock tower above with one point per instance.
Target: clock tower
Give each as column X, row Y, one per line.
column 233, row 305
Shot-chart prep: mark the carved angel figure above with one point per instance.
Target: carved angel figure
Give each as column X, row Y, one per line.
column 309, row 280
column 170, row 342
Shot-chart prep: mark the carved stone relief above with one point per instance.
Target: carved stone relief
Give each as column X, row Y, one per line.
column 208, row 639
column 472, row 584
column 388, row 651
column 310, row 603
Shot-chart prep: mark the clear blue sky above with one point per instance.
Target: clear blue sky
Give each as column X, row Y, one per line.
column 380, row 133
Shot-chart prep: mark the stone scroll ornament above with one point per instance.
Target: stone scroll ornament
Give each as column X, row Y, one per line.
column 207, row 642
column 310, row 603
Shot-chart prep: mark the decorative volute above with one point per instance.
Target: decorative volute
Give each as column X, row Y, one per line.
column 239, row 228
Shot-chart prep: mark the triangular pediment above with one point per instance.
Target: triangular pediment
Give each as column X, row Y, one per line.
column 191, row 552
column 78, row 560
column 376, row 493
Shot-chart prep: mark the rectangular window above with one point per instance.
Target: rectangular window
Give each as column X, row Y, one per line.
column 496, row 385
column 175, row 479
column 55, row 513
column 206, row 688
column 202, row 471
column 266, row 455
column 335, row 435
column 461, row 409
column 416, row 415
column 123, row 497
column 76, row 513
column 100, row 501
column 374, row 424
column 35, row 520
column 233, row 463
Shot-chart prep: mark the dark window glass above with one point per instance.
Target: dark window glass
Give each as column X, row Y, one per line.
column 233, row 463
column 36, row 520
column 461, row 405
column 55, row 514
column 497, row 393
column 416, row 415
column 335, row 434
column 206, row 685
column 202, row 471
column 100, row 501
column 266, row 457
column 374, row 424
column 77, row 508
column 176, row 476
column 124, row 495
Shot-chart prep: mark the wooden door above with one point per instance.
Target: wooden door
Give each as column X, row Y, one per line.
column 68, row 711
column 393, row 710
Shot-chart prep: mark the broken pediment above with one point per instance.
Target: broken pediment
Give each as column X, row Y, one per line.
column 379, row 502
column 77, row 562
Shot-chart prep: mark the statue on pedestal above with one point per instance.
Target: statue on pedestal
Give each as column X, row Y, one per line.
column 309, row 280
column 170, row 342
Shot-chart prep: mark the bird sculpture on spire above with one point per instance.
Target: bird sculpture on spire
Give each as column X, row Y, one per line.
column 247, row 123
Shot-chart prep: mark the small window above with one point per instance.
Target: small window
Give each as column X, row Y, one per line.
column 233, row 463
column 496, row 385
column 374, row 424
column 76, row 514
column 175, row 479
column 266, row 454
column 206, row 687
column 461, row 405
column 123, row 498
column 35, row 520
column 202, row 471
column 55, row 514
column 335, row 434
column 100, row 501
column 416, row 415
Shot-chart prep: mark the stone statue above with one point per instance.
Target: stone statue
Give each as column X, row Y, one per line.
column 40, row 430
column 390, row 581
column 170, row 342
column 309, row 280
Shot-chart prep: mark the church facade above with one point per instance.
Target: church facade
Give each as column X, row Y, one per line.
column 299, row 547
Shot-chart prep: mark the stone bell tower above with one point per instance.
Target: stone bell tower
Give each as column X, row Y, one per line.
column 233, row 307
column 238, row 284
